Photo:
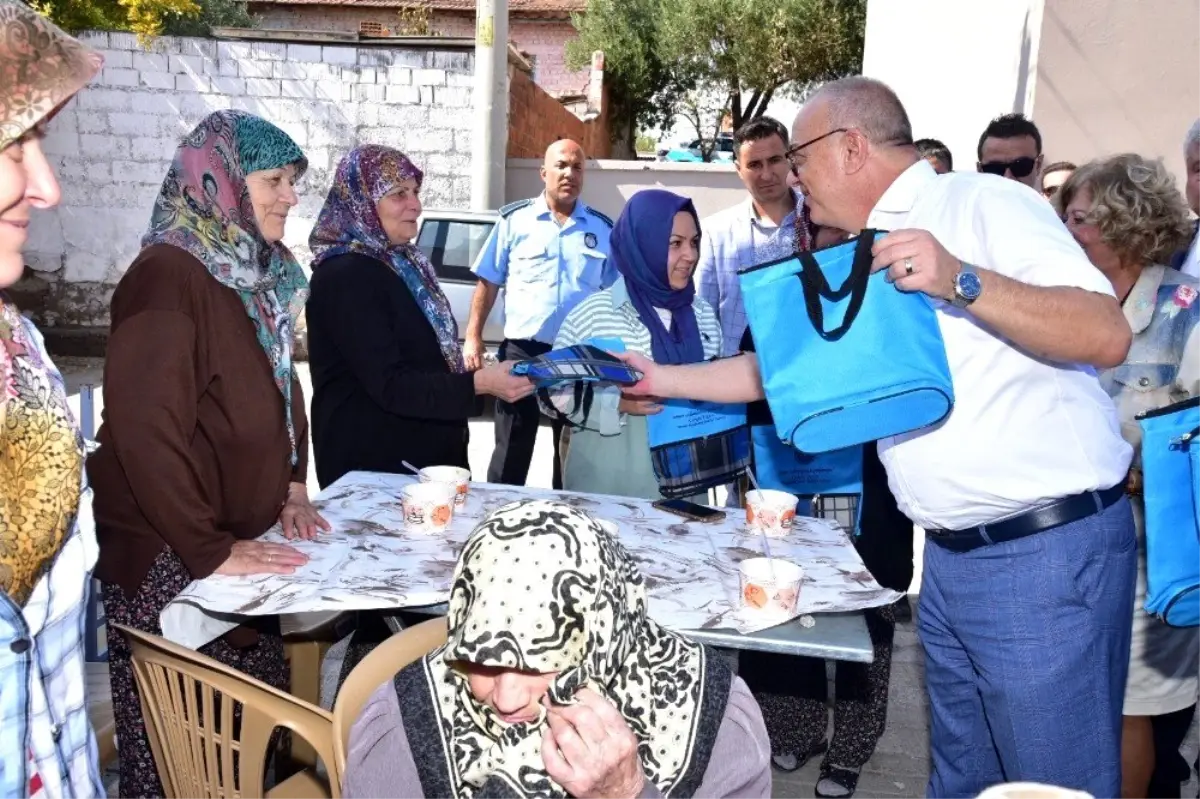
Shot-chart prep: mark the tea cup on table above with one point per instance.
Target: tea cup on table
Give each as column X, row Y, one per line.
column 428, row 507
column 770, row 512
column 452, row 475
column 770, row 586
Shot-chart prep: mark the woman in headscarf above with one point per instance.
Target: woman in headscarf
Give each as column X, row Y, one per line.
column 653, row 309
column 47, row 540
column 1129, row 217
column 553, row 682
column 204, row 443
column 389, row 384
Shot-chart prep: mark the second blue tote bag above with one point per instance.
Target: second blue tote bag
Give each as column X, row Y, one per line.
column 846, row 365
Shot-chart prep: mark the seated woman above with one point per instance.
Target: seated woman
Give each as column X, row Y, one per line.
column 389, row 384
column 1129, row 218
column 553, row 682
column 204, row 443
column 653, row 309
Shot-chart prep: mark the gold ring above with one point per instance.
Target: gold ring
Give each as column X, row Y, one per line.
column 908, row 266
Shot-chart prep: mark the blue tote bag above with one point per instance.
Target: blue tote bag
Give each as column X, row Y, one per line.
column 829, row 484
column 1171, row 490
column 843, row 366
column 695, row 446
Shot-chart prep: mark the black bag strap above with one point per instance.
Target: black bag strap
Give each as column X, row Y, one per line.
column 815, row 286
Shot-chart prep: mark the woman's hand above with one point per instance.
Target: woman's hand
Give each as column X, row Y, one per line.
column 590, row 750
column 640, row 406
column 498, row 380
column 258, row 557
column 299, row 518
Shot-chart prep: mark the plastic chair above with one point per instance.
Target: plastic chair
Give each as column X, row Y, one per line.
column 373, row 671
column 199, row 748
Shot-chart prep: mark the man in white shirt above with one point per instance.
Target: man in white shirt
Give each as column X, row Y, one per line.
column 1029, row 567
column 1188, row 260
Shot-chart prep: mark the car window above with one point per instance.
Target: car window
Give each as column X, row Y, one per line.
column 452, row 245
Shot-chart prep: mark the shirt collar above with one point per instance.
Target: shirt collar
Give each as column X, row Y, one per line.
column 1143, row 298
column 901, row 196
column 543, row 208
column 620, row 294
column 753, row 213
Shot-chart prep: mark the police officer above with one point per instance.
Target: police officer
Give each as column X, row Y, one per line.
column 549, row 253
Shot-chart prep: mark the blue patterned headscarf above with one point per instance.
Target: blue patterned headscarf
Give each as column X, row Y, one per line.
column 639, row 245
column 349, row 222
column 204, row 208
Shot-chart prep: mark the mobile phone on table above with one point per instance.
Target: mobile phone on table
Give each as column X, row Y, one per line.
column 690, row 510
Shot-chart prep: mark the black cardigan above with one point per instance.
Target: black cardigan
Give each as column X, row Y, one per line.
column 382, row 392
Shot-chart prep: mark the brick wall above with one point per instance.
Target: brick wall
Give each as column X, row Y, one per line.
column 536, row 120
column 545, row 40
column 112, row 145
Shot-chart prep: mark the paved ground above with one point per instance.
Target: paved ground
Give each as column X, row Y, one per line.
column 900, row 767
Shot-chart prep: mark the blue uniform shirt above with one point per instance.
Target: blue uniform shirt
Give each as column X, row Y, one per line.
column 546, row 269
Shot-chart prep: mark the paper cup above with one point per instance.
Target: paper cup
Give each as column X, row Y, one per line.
column 428, row 507
column 451, row 475
column 770, row 596
column 1031, row 790
column 770, row 512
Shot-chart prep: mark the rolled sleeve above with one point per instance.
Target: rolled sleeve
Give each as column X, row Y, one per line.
column 492, row 263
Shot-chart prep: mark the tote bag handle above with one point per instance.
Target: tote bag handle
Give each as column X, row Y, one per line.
column 815, row 286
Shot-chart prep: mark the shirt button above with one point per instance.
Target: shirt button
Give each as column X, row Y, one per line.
column 19, row 646
column 1145, row 381
column 56, row 733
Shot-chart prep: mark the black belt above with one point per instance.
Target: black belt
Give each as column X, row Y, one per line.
column 1056, row 514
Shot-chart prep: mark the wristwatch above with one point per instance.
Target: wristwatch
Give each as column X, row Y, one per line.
column 967, row 285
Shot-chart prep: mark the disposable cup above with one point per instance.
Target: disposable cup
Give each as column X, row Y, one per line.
column 452, row 475
column 428, row 507
column 770, row 512
column 770, row 586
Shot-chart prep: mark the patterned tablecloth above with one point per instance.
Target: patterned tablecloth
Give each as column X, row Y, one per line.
column 369, row 561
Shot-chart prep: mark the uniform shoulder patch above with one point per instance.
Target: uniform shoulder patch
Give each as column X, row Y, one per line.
column 511, row 207
column 603, row 218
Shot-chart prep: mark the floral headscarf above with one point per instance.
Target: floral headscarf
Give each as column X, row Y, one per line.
column 41, row 450
column 204, row 208
column 349, row 222
column 40, row 69
column 541, row 587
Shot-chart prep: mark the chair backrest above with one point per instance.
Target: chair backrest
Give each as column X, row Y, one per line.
column 379, row 666
column 200, row 747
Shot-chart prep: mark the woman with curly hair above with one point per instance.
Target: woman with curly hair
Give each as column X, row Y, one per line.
column 1128, row 216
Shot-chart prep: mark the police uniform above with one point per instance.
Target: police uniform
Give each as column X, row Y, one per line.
column 546, row 269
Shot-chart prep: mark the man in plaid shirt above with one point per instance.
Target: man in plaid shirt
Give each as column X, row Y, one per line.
column 47, row 539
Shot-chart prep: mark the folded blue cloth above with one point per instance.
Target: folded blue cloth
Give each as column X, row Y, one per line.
column 580, row 363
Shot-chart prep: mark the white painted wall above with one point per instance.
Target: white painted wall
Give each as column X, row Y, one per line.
column 956, row 64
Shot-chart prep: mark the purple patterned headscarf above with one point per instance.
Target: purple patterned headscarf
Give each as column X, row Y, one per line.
column 349, row 222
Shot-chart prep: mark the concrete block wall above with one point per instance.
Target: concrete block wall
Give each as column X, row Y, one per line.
column 544, row 39
column 112, row 144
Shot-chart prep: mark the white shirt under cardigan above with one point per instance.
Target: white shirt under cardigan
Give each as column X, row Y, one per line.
column 1024, row 432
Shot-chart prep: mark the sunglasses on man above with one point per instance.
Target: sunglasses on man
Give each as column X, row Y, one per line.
column 1020, row 167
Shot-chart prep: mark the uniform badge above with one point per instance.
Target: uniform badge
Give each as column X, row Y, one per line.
column 589, row 239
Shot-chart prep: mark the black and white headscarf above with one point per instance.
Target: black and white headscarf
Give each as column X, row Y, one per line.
column 541, row 587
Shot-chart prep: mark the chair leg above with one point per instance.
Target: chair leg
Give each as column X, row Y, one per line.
column 304, row 660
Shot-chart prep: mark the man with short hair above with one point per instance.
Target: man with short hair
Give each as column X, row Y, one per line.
column 549, row 252
column 1031, row 555
column 756, row 230
column 1188, row 260
column 937, row 154
column 1011, row 146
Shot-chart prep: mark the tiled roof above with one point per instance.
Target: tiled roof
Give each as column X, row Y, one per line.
column 514, row 6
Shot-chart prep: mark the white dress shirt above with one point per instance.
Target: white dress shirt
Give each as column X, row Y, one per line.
column 1191, row 263
column 1024, row 432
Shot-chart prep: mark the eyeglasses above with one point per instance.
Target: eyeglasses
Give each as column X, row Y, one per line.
column 1020, row 167
column 794, row 152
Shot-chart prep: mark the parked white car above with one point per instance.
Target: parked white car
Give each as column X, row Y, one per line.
column 451, row 240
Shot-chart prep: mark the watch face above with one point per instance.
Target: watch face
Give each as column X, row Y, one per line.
column 969, row 285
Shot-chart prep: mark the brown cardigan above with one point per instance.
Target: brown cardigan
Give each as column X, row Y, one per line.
column 194, row 450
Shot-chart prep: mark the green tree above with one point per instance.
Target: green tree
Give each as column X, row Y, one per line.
column 750, row 49
column 644, row 87
column 213, row 14
column 146, row 18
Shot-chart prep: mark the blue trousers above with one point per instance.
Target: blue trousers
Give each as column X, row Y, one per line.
column 1026, row 652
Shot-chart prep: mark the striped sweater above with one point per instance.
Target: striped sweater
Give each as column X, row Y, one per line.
column 610, row 314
